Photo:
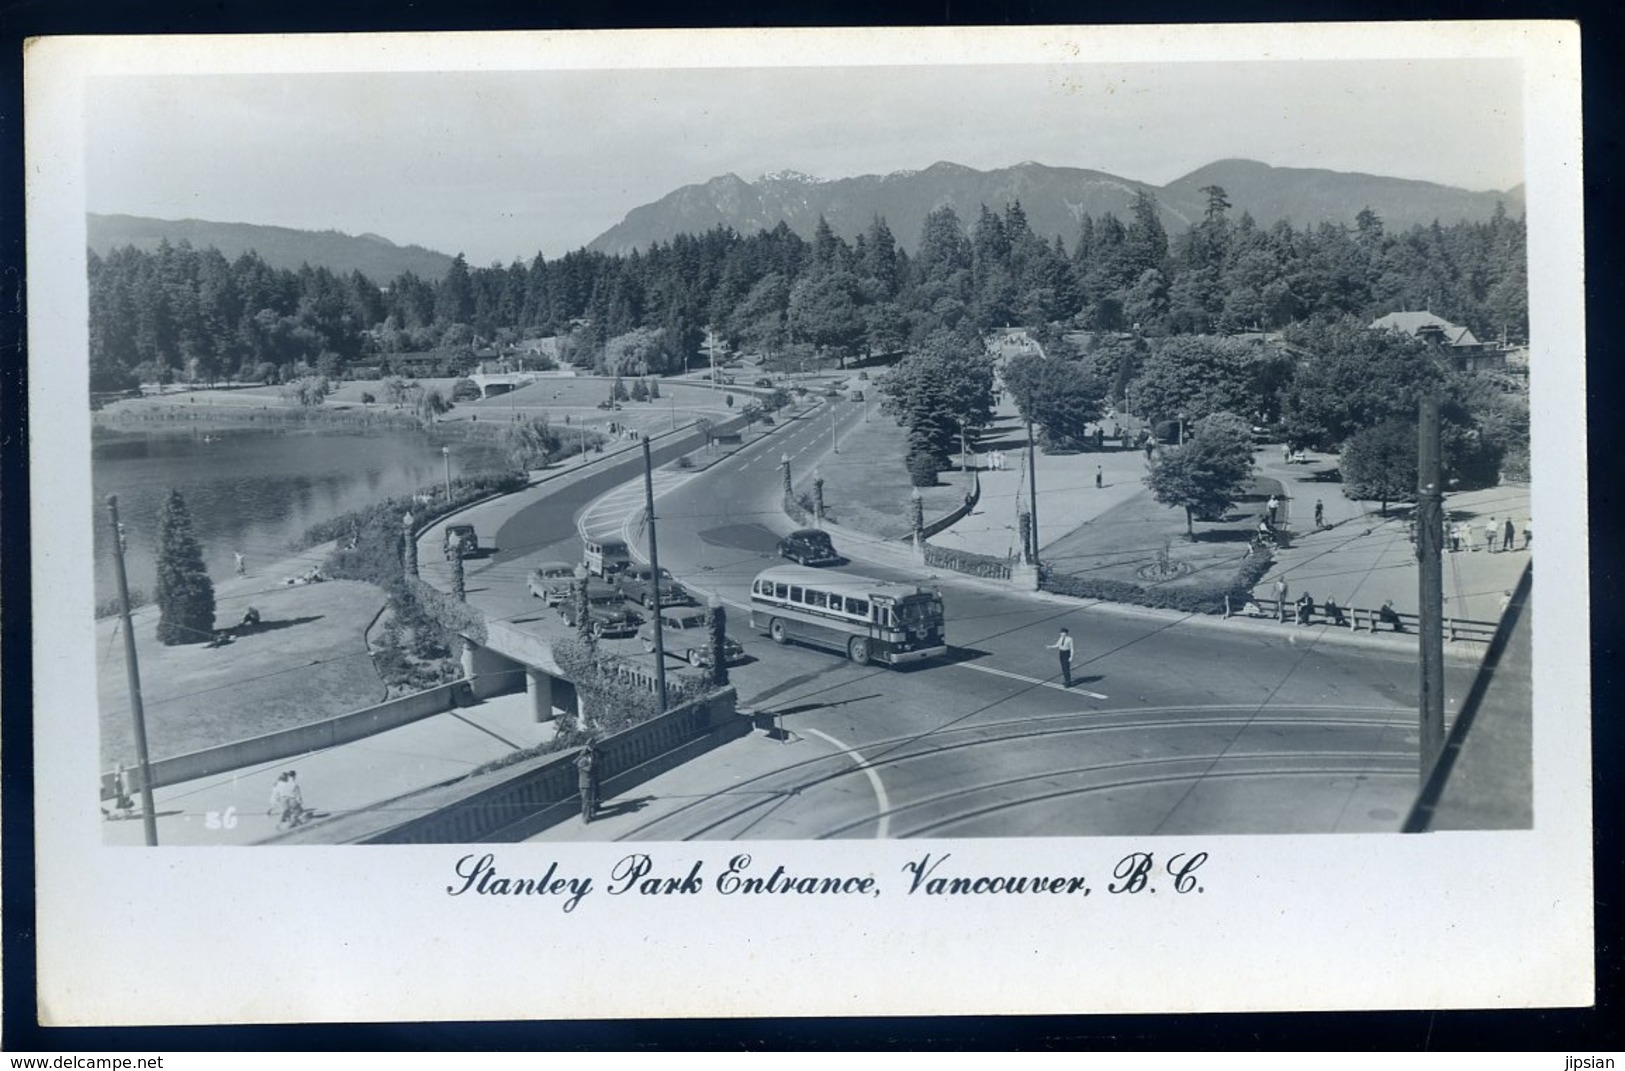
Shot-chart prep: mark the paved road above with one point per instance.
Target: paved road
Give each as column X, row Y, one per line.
column 1172, row 727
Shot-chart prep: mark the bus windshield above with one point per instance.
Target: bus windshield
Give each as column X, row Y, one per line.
column 919, row 611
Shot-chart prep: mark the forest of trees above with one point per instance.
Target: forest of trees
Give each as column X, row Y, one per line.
column 184, row 314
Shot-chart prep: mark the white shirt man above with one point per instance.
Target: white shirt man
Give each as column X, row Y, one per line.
column 1063, row 644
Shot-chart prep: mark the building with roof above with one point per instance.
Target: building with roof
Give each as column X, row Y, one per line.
column 1465, row 352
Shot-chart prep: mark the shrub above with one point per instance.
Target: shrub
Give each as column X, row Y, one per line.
column 1190, row 599
column 111, row 607
column 922, row 469
column 967, row 562
column 465, row 390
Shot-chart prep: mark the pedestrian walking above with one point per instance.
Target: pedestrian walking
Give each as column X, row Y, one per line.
column 1509, row 532
column 587, row 784
column 1490, row 528
column 1281, row 593
column 1274, row 505
column 1455, row 537
column 1320, row 514
column 1528, row 531
column 1286, row 453
column 241, row 570
column 1063, row 644
column 1148, row 447
column 1100, row 482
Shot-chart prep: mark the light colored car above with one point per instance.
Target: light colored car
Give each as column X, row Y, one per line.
column 685, row 636
column 551, row 581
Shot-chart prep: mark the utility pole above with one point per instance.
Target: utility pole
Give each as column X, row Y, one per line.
column 835, row 443
column 445, row 452
column 1429, row 536
column 132, row 673
column 654, row 573
column 1032, row 482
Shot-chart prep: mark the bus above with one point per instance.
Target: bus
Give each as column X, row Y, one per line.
column 866, row 620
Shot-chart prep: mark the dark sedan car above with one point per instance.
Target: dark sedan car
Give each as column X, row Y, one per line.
column 637, row 584
column 809, row 546
column 607, row 612
column 685, row 636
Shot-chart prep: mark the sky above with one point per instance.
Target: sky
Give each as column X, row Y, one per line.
column 502, row 165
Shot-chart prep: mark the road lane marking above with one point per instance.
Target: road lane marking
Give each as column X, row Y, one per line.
column 883, row 823
column 1031, row 680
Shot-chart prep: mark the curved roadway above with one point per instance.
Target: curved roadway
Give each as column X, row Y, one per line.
column 1172, row 726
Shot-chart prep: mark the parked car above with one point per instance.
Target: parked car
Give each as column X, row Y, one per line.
column 607, row 612
column 551, row 581
column 856, row 396
column 606, row 557
column 808, row 546
column 763, row 382
column 637, row 584
column 684, row 635
column 461, row 541
column 863, row 375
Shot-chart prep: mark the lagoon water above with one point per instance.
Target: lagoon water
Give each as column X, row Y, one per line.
column 254, row 490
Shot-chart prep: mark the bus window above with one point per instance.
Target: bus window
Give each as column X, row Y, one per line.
column 795, row 594
column 858, row 606
column 816, row 598
column 780, row 591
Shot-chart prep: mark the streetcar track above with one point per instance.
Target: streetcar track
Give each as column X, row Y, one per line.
column 1399, row 757
column 1406, row 772
column 1123, row 720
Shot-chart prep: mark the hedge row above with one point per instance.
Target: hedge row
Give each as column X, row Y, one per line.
column 967, row 562
column 1203, row 599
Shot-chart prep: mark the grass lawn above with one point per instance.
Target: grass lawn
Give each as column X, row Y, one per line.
column 1123, row 541
column 867, row 487
column 307, row 661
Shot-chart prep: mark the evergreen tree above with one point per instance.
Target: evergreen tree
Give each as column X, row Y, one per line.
column 454, row 300
column 185, row 594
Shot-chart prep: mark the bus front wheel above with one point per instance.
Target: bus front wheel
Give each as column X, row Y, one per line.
column 858, row 648
column 777, row 631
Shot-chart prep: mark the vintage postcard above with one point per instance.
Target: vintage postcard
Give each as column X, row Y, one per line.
column 864, row 522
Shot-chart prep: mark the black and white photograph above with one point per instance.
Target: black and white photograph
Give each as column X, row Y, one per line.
column 899, row 482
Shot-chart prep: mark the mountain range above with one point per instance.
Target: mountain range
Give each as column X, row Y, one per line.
column 379, row 259
column 1053, row 198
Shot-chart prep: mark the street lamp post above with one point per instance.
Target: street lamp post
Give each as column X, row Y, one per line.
column 445, row 453
column 835, row 443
